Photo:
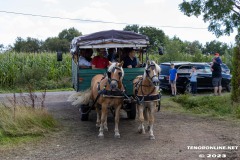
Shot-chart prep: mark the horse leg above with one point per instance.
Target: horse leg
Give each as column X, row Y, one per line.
column 98, row 116
column 105, row 122
column 151, row 121
column 117, row 115
column 103, row 119
column 141, row 119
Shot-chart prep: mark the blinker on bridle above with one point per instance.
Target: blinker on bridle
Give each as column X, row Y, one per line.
column 153, row 67
column 112, row 71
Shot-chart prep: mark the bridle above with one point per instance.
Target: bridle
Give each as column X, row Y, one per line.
column 153, row 67
column 120, row 74
column 148, row 97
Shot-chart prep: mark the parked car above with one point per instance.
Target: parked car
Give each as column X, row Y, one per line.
column 224, row 67
column 204, row 78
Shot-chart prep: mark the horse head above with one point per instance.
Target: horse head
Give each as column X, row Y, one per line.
column 152, row 71
column 115, row 75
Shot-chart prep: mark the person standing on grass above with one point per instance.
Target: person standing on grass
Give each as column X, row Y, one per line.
column 193, row 81
column 217, row 58
column 173, row 79
column 216, row 77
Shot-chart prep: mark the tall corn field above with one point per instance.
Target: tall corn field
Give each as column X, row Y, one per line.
column 42, row 70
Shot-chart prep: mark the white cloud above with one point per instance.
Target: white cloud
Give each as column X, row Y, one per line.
column 99, row 4
column 51, row 1
column 150, row 12
column 153, row 1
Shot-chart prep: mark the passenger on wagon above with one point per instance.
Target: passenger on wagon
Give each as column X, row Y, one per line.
column 112, row 55
column 131, row 61
column 85, row 58
column 99, row 61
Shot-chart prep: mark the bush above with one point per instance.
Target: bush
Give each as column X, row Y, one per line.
column 25, row 121
column 213, row 105
column 236, row 76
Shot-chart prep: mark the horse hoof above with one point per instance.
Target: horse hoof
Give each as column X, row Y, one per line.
column 101, row 136
column 140, row 130
column 148, row 128
column 152, row 137
column 117, row 136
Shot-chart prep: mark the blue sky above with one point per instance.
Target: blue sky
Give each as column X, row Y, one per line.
column 156, row 13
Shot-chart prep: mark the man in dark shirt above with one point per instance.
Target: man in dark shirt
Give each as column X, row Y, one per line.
column 130, row 61
column 216, row 77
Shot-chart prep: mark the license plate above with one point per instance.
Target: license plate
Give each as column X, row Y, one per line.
column 161, row 77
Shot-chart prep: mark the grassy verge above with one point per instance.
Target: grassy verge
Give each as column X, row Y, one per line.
column 23, row 124
column 212, row 106
column 2, row 91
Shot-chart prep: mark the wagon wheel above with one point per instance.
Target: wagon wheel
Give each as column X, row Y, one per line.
column 83, row 112
column 131, row 113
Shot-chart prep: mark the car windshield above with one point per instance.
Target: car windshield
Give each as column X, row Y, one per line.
column 224, row 66
column 208, row 69
column 165, row 69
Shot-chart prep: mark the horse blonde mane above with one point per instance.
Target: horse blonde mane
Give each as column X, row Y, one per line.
column 115, row 64
column 158, row 69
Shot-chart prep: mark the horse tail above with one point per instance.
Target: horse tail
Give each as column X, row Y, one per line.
column 80, row 98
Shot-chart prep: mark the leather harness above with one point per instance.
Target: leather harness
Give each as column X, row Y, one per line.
column 147, row 97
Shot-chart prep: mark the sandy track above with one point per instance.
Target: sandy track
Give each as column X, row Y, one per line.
column 174, row 132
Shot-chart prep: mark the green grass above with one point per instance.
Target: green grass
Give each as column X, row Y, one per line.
column 23, row 124
column 213, row 106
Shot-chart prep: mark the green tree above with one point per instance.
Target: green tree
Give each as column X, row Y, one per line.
column 1, row 47
column 224, row 17
column 55, row 44
column 195, row 47
column 69, row 34
column 18, row 46
column 215, row 46
column 236, row 76
column 134, row 28
column 32, row 45
column 156, row 36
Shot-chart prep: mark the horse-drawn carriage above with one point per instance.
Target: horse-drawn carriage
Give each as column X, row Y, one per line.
column 115, row 83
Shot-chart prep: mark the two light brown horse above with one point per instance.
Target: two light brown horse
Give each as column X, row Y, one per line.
column 147, row 93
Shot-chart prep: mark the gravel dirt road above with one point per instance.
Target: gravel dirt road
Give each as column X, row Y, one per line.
column 177, row 136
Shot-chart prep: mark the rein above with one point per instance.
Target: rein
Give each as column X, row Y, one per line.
column 106, row 93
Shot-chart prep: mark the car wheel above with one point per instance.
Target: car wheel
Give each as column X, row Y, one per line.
column 188, row 88
column 228, row 88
